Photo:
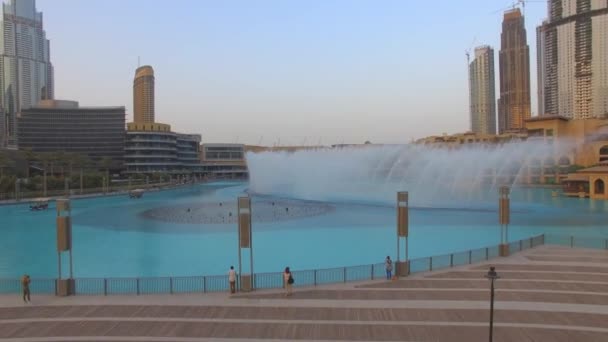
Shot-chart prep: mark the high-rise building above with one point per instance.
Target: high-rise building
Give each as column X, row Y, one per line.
column 26, row 72
column 514, row 62
column 143, row 95
column 572, row 58
column 481, row 91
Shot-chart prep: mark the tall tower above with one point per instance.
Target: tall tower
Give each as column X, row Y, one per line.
column 573, row 59
column 514, row 61
column 143, row 95
column 26, row 72
column 482, row 92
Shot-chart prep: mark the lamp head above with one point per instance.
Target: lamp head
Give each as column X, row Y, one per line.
column 492, row 273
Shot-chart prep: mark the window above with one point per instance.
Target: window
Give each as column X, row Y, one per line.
column 599, row 186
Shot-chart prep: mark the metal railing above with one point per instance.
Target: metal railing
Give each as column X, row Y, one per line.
column 274, row 280
column 577, row 241
column 437, row 262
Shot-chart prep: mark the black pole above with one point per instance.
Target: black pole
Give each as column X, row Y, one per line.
column 491, row 308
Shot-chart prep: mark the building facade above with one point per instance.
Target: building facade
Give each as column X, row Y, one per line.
column 143, row 95
column 154, row 148
column 53, row 126
column 514, row 63
column 481, row 91
column 572, row 59
column 224, row 161
column 26, row 72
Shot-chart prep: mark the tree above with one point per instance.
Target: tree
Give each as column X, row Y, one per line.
column 5, row 162
column 29, row 156
column 106, row 164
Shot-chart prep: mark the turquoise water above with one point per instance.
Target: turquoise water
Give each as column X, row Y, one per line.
column 112, row 238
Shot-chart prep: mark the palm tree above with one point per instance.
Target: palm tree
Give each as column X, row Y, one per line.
column 80, row 161
column 29, row 156
column 46, row 159
column 106, row 164
column 61, row 158
column 5, row 162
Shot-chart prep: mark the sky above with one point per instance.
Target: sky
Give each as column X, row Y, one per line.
column 282, row 72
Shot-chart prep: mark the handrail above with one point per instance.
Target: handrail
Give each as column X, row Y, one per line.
column 268, row 280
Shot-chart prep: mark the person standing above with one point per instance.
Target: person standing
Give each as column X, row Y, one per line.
column 25, row 284
column 232, row 279
column 288, row 281
column 388, row 265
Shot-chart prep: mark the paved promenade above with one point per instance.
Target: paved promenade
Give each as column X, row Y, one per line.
column 544, row 294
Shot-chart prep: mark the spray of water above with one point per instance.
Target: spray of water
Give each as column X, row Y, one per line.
column 435, row 177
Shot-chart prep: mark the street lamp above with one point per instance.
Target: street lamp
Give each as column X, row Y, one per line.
column 492, row 276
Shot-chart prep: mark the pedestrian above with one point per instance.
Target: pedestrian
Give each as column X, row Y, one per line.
column 25, row 284
column 288, row 280
column 232, row 279
column 388, row 264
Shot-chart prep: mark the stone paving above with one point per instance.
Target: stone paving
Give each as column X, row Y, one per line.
column 548, row 293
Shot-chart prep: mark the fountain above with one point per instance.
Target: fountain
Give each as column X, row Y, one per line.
column 435, row 177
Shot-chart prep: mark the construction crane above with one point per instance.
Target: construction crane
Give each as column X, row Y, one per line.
column 521, row 3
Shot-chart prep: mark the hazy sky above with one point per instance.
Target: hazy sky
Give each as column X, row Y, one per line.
column 267, row 70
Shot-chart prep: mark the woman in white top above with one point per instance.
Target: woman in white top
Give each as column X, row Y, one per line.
column 288, row 281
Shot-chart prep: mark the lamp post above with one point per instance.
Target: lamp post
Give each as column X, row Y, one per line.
column 492, row 276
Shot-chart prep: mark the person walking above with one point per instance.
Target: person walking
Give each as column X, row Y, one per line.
column 232, row 279
column 388, row 265
column 288, row 281
column 25, row 284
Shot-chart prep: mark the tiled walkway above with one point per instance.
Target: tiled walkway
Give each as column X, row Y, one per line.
column 545, row 294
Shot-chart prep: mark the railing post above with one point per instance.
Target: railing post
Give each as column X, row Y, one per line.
column 137, row 280
column 315, row 277
column 543, row 239
column 521, row 244
column 487, row 253
column 171, row 285
column 344, row 274
column 430, row 263
column 606, row 243
column 451, row 260
column 372, row 277
column 470, row 256
column 571, row 241
column 205, row 283
column 531, row 243
column 105, row 286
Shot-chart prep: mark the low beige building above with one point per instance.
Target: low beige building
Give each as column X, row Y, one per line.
column 588, row 138
column 590, row 182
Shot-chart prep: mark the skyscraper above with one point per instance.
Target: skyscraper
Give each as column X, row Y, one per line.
column 514, row 61
column 143, row 95
column 26, row 72
column 481, row 91
column 573, row 59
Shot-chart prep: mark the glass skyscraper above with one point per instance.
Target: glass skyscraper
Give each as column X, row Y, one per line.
column 482, row 91
column 26, row 72
column 514, row 64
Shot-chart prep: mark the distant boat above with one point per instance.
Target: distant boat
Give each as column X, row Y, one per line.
column 137, row 193
column 39, row 204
